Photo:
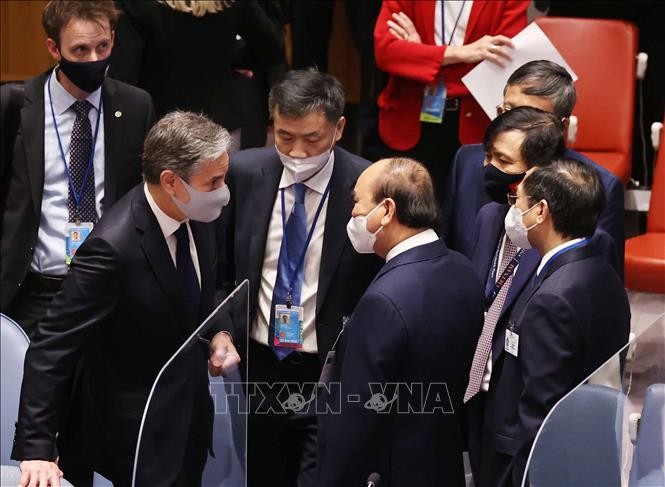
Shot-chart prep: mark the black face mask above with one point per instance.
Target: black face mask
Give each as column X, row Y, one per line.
column 88, row 76
column 498, row 183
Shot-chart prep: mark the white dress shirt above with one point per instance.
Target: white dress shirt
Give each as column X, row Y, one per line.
column 452, row 11
column 548, row 256
column 422, row 238
column 169, row 226
column 316, row 187
column 49, row 255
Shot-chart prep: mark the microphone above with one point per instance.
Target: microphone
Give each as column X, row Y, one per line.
column 373, row 480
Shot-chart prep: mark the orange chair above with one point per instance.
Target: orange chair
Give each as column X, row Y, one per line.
column 645, row 254
column 603, row 55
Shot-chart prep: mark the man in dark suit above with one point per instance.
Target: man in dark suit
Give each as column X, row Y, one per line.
column 140, row 285
column 286, row 234
column 411, row 338
column 77, row 151
column 572, row 319
column 544, row 85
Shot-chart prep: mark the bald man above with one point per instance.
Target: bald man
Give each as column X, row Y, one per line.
column 401, row 362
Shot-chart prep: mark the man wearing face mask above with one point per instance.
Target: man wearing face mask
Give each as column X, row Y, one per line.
column 571, row 320
column 76, row 152
column 514, row 142
column 141, row 283
column 540, row 84
column 410, row 327
column 286, row 234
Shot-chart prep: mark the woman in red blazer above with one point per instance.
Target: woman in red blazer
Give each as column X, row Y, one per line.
column 406, row 50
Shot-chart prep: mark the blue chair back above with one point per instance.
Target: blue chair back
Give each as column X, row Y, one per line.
column 649, row 455
column 14, row 343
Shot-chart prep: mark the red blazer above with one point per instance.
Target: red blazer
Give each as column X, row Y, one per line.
column 412, row 66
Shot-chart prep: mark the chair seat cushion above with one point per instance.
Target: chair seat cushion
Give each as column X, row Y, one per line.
column 645, row 263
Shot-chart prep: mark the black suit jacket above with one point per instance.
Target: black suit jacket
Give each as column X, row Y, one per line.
column 121, row 312
column 411, row 327
column 574, row 317
column 254, row 178
column 23, row 177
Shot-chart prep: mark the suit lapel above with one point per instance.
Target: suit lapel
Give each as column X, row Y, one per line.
column 488, row 238
column 476, row 13
column 157, row 253
column 112, row 139
column 340, row 204
column 32, row 128
column 527, row 268
column 427, row 12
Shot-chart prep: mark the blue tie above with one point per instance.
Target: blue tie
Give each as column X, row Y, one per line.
column 187, row 275
column 293, row 245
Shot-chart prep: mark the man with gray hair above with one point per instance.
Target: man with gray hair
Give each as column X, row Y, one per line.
column 286, row 234
column 139, row 285
column 539, row 84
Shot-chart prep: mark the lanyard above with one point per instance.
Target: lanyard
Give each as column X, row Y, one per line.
column 503, row 278
column 78, row 195
column 443, row 24
column 582, row 243
column 299, row 264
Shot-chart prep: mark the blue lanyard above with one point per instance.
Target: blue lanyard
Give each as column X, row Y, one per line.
column 293, row 275
column 443, row 24
column 78, row 196
column 563, row 251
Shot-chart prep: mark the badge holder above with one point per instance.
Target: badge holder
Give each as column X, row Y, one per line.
column 75, row 235
column 288, row 326
column 434, row 103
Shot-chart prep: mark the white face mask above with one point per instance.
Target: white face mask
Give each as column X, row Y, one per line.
column 203, row 206
column 305, row 167
column 516, row 231
column 362, row 239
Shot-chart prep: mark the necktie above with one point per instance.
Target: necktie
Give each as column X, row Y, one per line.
column 491, row 319
column 187, row 274
column 293, row 245
column 80, row 150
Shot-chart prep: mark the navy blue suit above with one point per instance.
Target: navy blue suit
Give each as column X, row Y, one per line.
column 572, row 319
column 411, row 326
column 465, row 195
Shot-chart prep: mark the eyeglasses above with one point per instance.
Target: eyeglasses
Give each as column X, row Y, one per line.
column 501, row 109
column 512, row 199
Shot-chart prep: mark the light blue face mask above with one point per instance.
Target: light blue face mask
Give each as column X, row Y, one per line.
column 203, row 206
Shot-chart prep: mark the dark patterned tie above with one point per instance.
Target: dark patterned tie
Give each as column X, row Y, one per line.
column 187, row 274
column 80, row 151
column 492, row 316
column 289, row 258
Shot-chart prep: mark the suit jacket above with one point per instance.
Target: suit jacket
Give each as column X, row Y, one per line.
column 253, row 179
column 410, row 327
column 465, row 195
column 413, row 65
column 574, row 317
column 121, row 312
column 23, row 185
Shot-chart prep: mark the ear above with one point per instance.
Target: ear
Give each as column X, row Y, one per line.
column 543, row 211
column 341, row 123
column 53, row 50
column 168, row 180
column 389, row 204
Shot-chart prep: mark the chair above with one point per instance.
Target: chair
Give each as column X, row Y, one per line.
column 649, row 455
column 603, row 55
column 14, row 343
column 580, row 441
column 645, row 254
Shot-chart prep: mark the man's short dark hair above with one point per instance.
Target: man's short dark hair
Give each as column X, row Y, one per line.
column 301, row 92
column 548, row 80
column 574, row 194
column 409, row 185
column 58, row 13
column 544, row 134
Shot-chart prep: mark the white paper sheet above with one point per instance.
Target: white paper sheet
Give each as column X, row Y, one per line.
column 487, row 80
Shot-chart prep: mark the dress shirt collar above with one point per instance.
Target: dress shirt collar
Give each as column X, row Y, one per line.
column 167, row 224
column 62, row 99
column 318, row 182
column 546, row 258
column 422, row 238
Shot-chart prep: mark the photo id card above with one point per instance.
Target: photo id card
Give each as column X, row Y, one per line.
column 512, row 342
column 75, row 235
column 288, row 326
column 434, row 103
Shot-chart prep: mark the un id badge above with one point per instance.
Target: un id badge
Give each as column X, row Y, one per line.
column 434, row 102
column 288, row 326
column 75, row 235
column 512, row 340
